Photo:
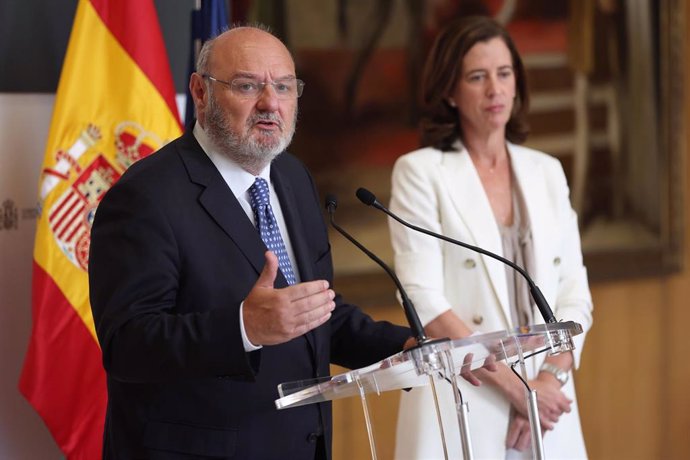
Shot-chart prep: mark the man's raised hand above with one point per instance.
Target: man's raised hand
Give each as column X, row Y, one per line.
column 272, row 316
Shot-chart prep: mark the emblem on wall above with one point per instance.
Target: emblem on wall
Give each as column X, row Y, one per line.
column 9, row 216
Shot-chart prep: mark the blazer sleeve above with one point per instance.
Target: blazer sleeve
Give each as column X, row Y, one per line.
column 418, row 257
column 135, row 274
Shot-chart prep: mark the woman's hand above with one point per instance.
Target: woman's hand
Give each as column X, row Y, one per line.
column 519, row 433
column 475, row 377
column 551, row 401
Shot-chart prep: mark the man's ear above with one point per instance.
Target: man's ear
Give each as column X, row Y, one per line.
column 197, row 88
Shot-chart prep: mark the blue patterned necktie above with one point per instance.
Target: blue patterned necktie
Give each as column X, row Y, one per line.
column 268, row 227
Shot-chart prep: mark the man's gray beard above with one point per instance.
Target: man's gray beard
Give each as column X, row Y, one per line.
column 249, row 153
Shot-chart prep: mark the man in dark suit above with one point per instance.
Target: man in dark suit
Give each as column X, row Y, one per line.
column 197, row 321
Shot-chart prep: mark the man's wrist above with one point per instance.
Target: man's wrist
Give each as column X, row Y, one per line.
column 248, row 345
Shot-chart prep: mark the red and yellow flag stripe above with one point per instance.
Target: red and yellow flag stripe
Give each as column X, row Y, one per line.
column 115, row 104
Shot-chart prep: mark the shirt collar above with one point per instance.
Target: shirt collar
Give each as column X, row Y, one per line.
column 237, row 178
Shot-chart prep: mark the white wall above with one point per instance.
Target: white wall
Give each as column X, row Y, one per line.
column 24, row 121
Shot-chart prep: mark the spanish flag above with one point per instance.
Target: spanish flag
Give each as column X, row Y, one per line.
column 115, row 104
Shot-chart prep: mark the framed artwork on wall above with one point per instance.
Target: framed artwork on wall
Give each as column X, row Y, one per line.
column 606, row 81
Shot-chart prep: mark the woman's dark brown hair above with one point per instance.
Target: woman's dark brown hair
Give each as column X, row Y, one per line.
column 440, row 124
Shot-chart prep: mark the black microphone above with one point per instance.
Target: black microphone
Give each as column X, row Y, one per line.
column 408, row 308
column 368, row 198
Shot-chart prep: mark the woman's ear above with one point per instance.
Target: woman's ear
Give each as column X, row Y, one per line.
column 451, row 102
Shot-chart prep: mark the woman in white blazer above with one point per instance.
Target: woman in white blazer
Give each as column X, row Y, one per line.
column 472, row 182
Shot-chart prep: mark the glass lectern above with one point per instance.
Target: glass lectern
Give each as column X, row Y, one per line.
column 436, row 360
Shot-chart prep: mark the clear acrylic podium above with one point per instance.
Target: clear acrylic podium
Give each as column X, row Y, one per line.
column 440, row 360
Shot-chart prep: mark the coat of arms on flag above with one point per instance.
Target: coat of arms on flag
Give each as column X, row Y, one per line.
column 72, row 214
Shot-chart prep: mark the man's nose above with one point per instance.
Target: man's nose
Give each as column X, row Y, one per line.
column 268, row 99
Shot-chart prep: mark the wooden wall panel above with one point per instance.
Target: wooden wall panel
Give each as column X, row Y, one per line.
column 676, row 319
column 676, row 385
column 349, row 433
column 619, row 382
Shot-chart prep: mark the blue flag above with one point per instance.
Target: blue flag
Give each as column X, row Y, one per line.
column 207, row 22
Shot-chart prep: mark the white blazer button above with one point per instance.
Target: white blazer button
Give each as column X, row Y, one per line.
column 477, row 319
column 469, row 263
column 557, row 261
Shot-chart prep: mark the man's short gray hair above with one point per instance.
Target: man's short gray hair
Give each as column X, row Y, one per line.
column 205, row 51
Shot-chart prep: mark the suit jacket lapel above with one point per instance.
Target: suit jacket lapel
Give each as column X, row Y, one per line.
column 223, row 207
column 295, row 229
column 218, row 200
column 530, row 177
column 474, row 209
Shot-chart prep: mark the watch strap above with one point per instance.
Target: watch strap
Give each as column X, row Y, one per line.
column 560, row 374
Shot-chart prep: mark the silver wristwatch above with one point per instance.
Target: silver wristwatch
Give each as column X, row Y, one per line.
column 560, row 374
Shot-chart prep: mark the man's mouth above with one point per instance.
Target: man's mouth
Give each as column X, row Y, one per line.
column 268, row 123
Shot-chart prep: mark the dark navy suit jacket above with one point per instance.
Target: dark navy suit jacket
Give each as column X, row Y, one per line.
column 173, row 255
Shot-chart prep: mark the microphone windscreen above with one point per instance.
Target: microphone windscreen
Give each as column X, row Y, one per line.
column 331, row 201
column 365, row 196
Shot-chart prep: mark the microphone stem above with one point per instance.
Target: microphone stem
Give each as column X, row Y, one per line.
column 410, row 312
